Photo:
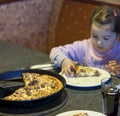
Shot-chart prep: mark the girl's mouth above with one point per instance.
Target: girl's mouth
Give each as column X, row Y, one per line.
column 100, row 47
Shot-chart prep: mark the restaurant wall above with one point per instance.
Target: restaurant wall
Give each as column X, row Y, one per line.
column 25, row 22
column 43, row 24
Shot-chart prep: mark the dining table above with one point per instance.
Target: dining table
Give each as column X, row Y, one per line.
column 15, row 57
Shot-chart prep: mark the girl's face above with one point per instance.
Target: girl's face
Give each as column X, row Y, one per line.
column 103, row 38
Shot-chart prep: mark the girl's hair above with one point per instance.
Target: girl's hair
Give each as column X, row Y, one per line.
column 107, row 15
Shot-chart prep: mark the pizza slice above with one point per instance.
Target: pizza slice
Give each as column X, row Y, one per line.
column 30, row 78
column 82, row 71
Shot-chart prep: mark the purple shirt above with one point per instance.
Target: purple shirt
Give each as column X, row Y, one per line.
column 84, row 54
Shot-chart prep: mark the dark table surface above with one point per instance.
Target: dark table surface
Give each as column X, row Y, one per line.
column 14, row 57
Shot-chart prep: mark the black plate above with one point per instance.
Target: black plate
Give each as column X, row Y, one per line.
column 28, row 103
column 40, row 110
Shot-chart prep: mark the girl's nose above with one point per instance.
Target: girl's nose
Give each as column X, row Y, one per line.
column 99, row 42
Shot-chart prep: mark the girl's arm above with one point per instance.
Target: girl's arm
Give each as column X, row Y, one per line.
column 74, row 51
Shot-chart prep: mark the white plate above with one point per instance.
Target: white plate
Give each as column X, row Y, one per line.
column 71, row 113
column 87, row 82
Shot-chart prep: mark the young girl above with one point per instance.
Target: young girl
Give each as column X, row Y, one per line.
column 101, row 50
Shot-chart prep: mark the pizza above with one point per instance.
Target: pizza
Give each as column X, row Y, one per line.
column 81, row 114
column 36, row 86
column 82, row 71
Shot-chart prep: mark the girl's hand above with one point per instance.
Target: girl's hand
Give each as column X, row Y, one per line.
column 113, row 68
column 68, row 67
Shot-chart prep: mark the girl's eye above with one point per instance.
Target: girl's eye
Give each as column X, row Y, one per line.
column 105, row 38
column 94, row 36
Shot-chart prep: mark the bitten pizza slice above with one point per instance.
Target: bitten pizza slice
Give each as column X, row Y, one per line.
column 82, row 71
